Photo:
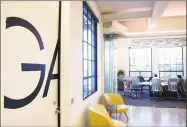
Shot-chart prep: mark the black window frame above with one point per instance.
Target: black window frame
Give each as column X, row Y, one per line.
column 90, row 45
column 170, row 71
column 139, row 70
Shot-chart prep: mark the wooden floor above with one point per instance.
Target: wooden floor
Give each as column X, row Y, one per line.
column 151, row 116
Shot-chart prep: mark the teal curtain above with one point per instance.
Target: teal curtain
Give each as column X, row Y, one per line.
column 109, row 63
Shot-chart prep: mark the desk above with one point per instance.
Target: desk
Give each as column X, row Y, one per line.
column 150, row 83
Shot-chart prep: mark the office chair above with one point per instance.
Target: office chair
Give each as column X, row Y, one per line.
column 172, row 88
column 156, row 89
column 135, row 86
column 184, row 90
column 99, row 117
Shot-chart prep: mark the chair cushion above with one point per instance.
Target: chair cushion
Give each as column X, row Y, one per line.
column 119, row 123
column 120, row 108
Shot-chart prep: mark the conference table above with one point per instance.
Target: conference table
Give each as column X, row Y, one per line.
column 149, row 84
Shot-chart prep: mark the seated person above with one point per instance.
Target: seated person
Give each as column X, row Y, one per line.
column 141, row 78
column 150, row 78
column 180, row 85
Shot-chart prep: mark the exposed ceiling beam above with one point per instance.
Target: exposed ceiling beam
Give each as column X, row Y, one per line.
column 157, row 11
column 125, row 16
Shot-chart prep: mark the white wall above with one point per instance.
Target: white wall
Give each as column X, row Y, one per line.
column 72, row 85
column 122, row 54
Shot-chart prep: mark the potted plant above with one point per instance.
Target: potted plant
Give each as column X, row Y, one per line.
column 121, row 77
column 121, row 72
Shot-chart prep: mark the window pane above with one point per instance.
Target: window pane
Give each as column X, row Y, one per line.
column 161, row 74
column 85, row 33
column 171, row 58
column 173, row 67
column 93, row 68
column 85, row 88
column 89, row 36
column 93, row 84
column 89, row 52
column 85, row 68
column 93, row 39
column 89, row 24
column 85, row 50
column 93, row 24
column 173, row 74
column 89, row 68
column 89, row 86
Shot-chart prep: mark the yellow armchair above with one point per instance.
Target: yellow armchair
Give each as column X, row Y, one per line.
column 117, row 100
column 99, row 117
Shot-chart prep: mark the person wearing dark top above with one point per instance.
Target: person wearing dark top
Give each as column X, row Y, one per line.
column 180, row 85
column 141, row 78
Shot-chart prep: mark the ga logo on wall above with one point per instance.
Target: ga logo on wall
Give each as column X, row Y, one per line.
column 18, row 103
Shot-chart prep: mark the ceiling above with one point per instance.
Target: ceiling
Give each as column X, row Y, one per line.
column 111, row 6
column 143, row 16
column 160, row 42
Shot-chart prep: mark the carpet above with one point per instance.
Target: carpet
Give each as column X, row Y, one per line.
column 145, row 101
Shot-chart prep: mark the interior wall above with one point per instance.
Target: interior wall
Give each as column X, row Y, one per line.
column 122, row 54
column 74, row 108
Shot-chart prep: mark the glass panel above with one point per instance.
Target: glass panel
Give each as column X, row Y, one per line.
column 140, row 59
column 93, row 39
column 85, row 33
column 179, row 73
column 85, row 87
column 173, row 74
column 161, row 74
column 89, row 36
column 85, row 68
column 85, row 20
column 179, row 68
column 89, row 52
column 89, row 15
column 93, row 68
column 93, row 53
column 85, row 50
column 167, row 67
column 89, row 86
column 93, row 24
column 89, row 68
column 161, row 67
column 167, row 74
column 167, row 61
column 89, row 24
column 173, row 67
column 173, row 61
column 132, row 74
column 179, row 61
column 93, row 84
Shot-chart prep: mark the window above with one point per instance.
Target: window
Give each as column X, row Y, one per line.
column 170, row 62
column 89, row 51
column 140, row 61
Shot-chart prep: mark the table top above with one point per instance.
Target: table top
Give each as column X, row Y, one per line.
column 111, row 107
column 150, row 83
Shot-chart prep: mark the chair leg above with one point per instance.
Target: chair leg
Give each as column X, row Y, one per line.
column 126, row 116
